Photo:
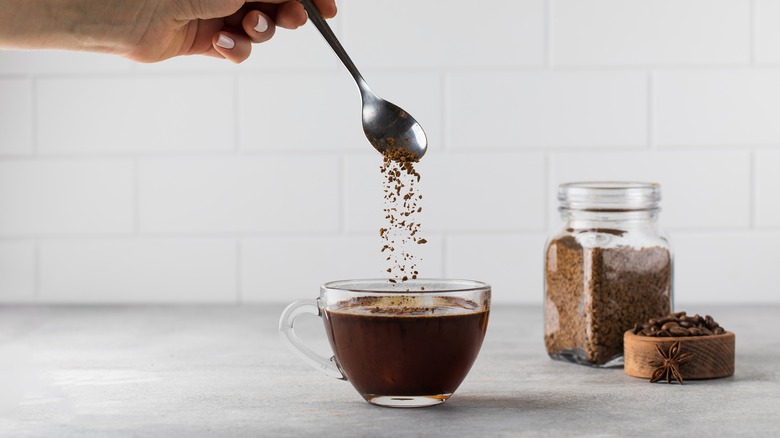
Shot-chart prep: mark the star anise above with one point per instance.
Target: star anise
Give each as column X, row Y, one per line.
column 670, row 365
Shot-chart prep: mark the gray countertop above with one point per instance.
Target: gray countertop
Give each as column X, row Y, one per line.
column 222, row 371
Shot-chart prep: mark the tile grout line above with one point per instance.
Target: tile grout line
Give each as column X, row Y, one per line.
column 754, row 195
column 34, row 115
column 754, row 29
column 445, row 269
column 445, row 122
column 136, row 197
column 343, row 201
column 236, row 115
column 36, row 269
column 547, row 189
column 239, row 272
column 548, row 34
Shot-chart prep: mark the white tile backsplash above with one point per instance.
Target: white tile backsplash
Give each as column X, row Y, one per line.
column 324, row 113
column 299, row 111
column 17, row 271
column 476, row 192
column 510, row 110
column 363, row 194
column 65, row 197
column 139, row 271
column 47, row 62
column 135, row 114
column 461, row 192
column 197, row 180
column 239, row 194
column 726, row 267
column 513, row 264
column 427, row 33
column 699, row 189
column 651, row 32
column 16, row 117
column 717, row 107
column 767, row 190
column 289, row 268
column 768, row 31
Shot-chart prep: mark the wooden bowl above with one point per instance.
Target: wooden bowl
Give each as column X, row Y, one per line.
column 713, row 356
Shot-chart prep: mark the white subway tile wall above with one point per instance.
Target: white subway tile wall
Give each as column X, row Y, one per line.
column 729, row 107
column 768, row 44
column 195, row 180
column 511, row 110
column 427, row 33
column 57, row 197
column 728, row 267
column 16, row 116
column 17, row 270
column 767, row 199
column 282, row 268
column 138, row 270
column 700, row 189
column 651, row 32
column 135, row 113
column 239, row 194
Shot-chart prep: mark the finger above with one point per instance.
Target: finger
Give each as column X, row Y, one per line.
column 233, row 47
column 327, row 7
column 258, row 26
column 291, row 15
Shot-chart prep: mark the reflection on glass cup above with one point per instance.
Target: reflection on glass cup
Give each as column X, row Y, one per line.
column 400, row 345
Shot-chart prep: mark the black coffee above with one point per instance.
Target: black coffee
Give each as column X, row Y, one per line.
column 404, row 350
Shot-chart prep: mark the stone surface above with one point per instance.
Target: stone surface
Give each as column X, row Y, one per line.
column 222, row 371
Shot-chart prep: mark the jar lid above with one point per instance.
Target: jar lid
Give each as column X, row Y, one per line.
column 609, row 195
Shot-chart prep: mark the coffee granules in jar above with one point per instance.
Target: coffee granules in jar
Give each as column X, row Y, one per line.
column 595, row 294
column 402, row 203
column 609, row 268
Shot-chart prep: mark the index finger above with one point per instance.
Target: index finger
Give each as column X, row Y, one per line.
column 327, row 7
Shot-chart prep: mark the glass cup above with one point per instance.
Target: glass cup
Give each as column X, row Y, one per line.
column 400, row 345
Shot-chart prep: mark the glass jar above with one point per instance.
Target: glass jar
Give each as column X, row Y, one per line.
column 607, row 270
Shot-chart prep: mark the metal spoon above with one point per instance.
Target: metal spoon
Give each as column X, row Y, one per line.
column 386, row 126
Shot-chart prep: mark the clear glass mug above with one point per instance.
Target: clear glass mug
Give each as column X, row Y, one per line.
column 400, row 345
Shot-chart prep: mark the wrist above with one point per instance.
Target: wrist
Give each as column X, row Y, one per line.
column 102, row 26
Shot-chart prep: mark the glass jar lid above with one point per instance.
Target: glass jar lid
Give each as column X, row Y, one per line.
column 609, row 196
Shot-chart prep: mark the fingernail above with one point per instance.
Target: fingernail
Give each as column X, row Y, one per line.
column 225, row 42
column 262, row 24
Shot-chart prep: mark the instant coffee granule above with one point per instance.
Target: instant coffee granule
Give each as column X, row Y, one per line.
column 402, row 203
column 593, row 295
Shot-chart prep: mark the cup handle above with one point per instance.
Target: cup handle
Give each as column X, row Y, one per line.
column 287, row 332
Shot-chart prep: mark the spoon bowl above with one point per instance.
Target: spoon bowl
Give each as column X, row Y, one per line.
column 387, row 126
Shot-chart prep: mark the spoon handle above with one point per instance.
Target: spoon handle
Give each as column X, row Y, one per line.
column 330, row 37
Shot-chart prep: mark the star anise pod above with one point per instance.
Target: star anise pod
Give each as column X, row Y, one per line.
column 670, row 365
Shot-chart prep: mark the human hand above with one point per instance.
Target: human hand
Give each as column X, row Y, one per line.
column 224, row 29
column 150, row 30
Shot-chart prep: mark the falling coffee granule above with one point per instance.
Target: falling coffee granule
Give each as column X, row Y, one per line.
column 401, row 205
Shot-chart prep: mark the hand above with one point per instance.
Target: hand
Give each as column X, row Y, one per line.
column 223, row 29
column 150, row 30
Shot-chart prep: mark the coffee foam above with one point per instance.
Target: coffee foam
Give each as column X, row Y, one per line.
column 406, row 305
